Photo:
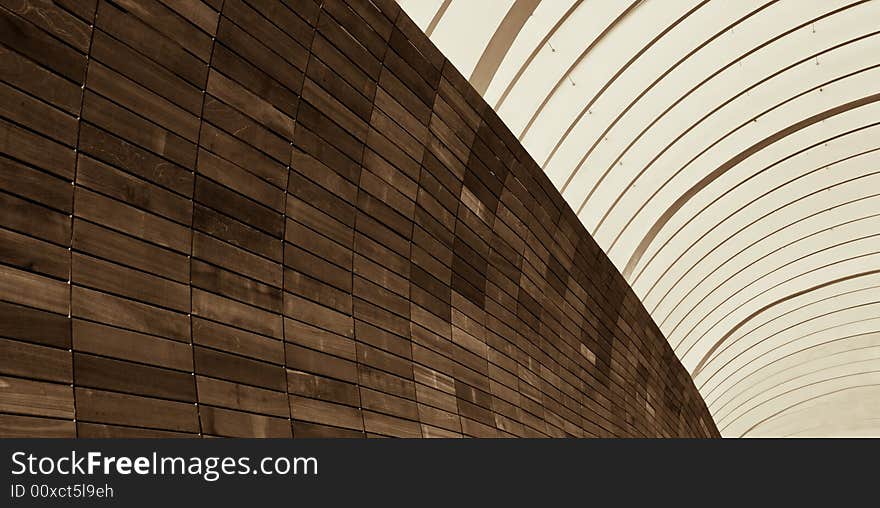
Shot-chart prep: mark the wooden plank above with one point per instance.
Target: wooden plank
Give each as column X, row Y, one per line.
column 240, row 315
column 220, row 281
column 307, row 360
column 133, row 191
column 252, row 22
column 32, row 325
column 129, row 251
column 249, row 103
column 138, row 130
column 167, row 22
column 253, row 51
column 36, row 398
column 235, row 205
column 234, row 340
column 243, row 127
column 315, row 338
column 130, row 220
column 26, row 253
column 34, row 361
column 216, row 392
column 237, row 152
column 37, row 115
column 235, row 259
column 36, row 150
column 142, row 101
column 239, row 180
column 140, row 317
column 255, row 80
column 391, row 426
column 35, row 185
column 225, row 422
column 118, row 152
column 25, row 288
column 316, row 411
column 147, row 73
column 15, row 426
column 99, row 406
column 121, row 376
column 25, row 74
column 104, row 431
column 319, row 387
column 53, row 19
column 197, row 12
column 239, row 369
column 31, row 41
column 90, row 337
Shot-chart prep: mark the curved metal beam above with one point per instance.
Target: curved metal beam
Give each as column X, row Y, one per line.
column 611, row 81
column 437, row 17
column 719, row 419
column 583, row 159
column 743, row 228
column 706, row 315
column 577, row 61
column 848, row 241
column 734, row 161
column 784, row 299
column 731, row 132
column 753, row 427
column 759, row 240
column 765, row 353
column 725, row 103
column 789, row 355
column 522, row 68
column 500, row 43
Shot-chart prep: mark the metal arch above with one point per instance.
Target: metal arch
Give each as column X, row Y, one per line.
column 437, row 17
column 725, row 103
column 854, row 424
column 848, row 241
column 608, row 84
column 718, row 71
column 577, row 61
column 784, row 299
column 761, row 239
column 577, row 167
column 753, row 427
column 789, row 355
column 743, row 155
column 813, row 193
column 794, row 241
column 758, row 357
column 839, row 78
column 730, row 413
column 500, row 43
column 706, row 358
column 743, row 207
column 534, row 53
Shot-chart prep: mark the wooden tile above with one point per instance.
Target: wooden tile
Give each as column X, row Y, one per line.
column 121, row 376
column 115, row 342
column 36, row 398
column 99, row 406
column 225, row 422
column 16, row 426
column 35, row 361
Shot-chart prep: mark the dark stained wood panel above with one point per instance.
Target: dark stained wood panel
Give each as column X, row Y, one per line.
column 252, row 218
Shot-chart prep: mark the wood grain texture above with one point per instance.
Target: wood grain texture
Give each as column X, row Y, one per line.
column 271, row 219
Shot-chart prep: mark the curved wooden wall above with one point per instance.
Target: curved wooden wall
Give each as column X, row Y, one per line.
column 267, row 219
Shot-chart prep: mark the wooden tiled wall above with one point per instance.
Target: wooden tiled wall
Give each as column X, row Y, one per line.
column 256, row 218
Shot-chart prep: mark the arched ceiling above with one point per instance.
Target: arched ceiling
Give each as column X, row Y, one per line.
column 726, row 155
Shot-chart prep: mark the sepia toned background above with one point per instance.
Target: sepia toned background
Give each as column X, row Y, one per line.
column 298, row 219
